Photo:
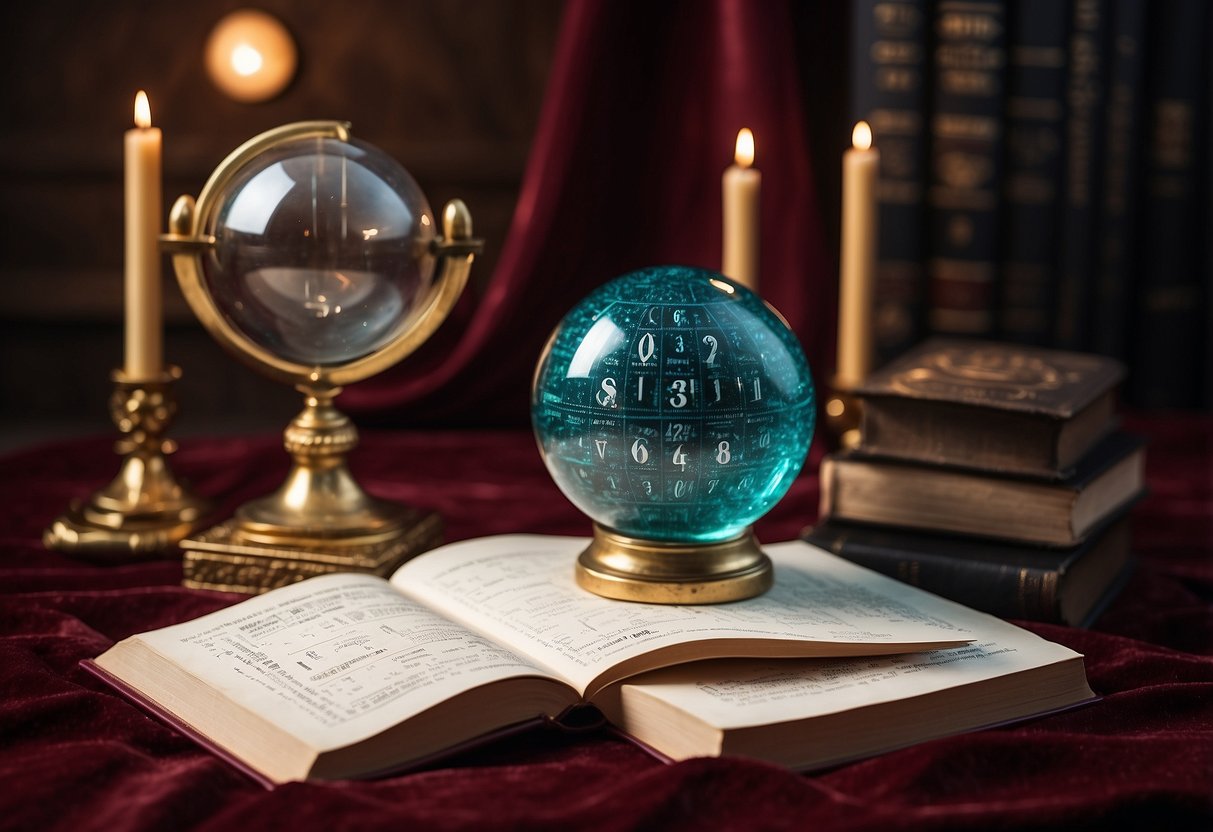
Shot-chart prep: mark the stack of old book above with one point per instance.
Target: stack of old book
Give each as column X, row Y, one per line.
column 991, row 474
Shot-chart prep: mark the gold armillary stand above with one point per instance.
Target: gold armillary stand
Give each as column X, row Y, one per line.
column 320, row 520
column 145, row 509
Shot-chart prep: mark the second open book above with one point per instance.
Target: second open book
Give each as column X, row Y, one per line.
column 349, row 675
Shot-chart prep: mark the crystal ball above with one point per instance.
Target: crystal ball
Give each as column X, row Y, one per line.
column 673, row 404
column 321, row 250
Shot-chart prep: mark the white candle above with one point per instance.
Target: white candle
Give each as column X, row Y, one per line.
column 741, row 189
column 144, row 351
column 860, row 165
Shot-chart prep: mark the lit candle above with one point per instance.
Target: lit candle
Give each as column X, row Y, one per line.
column 741, row 187
column 144, row 352
column 860, row 164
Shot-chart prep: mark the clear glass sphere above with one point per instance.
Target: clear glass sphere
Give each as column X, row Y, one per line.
column 673, row 404
column 321, row 250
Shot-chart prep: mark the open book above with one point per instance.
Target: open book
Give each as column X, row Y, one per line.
column 352, row 675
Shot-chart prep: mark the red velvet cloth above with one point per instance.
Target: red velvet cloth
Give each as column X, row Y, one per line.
column 75, row 755
column 638, row 125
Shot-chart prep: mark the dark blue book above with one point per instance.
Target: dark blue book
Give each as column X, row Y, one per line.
column 1085, row 99
column 1064, row 586
column 1171, row 305
column 1114, row 280
column 889, row 49
column 1035, row 139
column 966, row 153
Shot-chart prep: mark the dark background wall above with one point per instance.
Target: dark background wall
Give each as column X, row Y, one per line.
column 452, row 89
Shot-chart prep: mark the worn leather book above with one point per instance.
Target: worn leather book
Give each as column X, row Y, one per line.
column 966, row 141
column 1062, row 586
column 1171, row 322
column 1038, row 31
column 1085, row 134
column 1120, row 213
column 350, row 675
column 890, row 42
column 991, row 406
column 867, row 489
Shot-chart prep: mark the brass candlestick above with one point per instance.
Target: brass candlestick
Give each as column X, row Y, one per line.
column 843, row 416
column 144, row 510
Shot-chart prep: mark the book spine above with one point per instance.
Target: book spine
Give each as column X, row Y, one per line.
column 966, row 141
column 1171, row 323
column 1084, row 154
column 1118, row 225
column 1005, row 590
column 888, row 90
column 1035, row 121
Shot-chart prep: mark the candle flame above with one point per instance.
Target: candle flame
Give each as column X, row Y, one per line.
column 246, row 60
column 861, row 136
column 143, row 110
column 744, row 152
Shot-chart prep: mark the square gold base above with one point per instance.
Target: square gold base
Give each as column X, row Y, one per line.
column 217, row 559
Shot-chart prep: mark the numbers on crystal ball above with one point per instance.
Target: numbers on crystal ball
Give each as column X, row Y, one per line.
column 672, row 404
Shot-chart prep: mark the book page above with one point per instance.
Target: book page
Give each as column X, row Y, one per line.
column 334, row 659
column 520, row 591
column 732, row 694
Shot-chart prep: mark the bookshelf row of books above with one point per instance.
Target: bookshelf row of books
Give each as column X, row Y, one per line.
column 990, row 474
column 1045, row 178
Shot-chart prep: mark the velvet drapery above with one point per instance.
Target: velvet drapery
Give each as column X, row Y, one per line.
column 643, row 106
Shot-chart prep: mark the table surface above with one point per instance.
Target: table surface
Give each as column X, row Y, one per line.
column 73, row 754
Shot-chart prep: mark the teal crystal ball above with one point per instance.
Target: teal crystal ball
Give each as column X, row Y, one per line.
column 673, row 405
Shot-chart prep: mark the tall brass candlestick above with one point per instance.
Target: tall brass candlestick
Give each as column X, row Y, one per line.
column 144, row 510
column 860, row 167
column 144, row 328
column 741, row 189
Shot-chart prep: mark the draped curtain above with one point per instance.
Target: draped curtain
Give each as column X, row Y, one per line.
column 641, row 112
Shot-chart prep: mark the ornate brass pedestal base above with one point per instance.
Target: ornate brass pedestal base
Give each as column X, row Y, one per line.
column 220, row 559
column 144, row 510
column 319, row 521
column 630, row 569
